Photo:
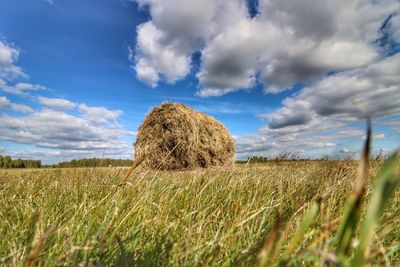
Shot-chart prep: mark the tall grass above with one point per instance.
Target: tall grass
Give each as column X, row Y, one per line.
column 289, row 213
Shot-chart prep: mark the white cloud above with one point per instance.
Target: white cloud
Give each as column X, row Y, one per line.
column 284, row 44
column 4, row 102
column 57, row 103
column 178, row 28
column 99, row 115
column 319, row 137
column 345, row 150
column 292, row 113
column 316, row 119
column 20, row 88
column 214, row 92
column 373, row 90
column 155, row 58
column 377, row 136
column 8, row 56
column 21, row 108
column 146, row 73
column 56, row 129
column 94, row 132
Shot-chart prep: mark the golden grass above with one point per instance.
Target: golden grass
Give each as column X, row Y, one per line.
column 189, row 218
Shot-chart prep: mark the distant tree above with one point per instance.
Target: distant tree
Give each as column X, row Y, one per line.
column 94, row 162
column 8, row 162
column 18, row 163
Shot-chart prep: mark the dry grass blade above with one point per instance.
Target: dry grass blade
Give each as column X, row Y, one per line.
column 38, row 245
column 359, row 185
column 270, row 244
column 387, row 181
column 353, row 206
column 136, row 163
column 303, row 227
column 329, row 258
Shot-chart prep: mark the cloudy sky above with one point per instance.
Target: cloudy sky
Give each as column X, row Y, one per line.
column 78, row 77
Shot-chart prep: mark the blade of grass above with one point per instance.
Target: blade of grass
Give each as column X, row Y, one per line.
column 270, row 244
column 353, row 206
column 387, row 181
column 135, row 164
column 297, row 238
column 39, row 244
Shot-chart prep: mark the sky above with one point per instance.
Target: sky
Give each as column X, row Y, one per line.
column 78, row 77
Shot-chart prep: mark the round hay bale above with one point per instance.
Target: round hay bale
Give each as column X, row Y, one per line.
column 175, row 137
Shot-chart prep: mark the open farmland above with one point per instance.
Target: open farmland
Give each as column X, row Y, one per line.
column 220, row 217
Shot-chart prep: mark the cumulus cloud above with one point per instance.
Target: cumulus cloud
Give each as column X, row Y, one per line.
column 318, row 117
column 155, row 58
column 8, row 56
column 4, row 102
column 343, row 53
column 324, row 117
column 56, row 129
column 284, row 44
column 372, row 90
column 57, row 103
column 21, row 108
column 59, row 135
column 292, row 113
column 99, row 115
column 377, row 136
column 9, row 72
column 59, row 131
column 178, row 29
column 319, row 137
column 20, row 88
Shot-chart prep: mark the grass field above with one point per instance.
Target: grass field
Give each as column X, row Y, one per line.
column 289, row 213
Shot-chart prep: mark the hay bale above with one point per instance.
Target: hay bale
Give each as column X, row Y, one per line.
column 175, row 137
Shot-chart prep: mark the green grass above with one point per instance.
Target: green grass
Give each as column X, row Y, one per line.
column 287, row 213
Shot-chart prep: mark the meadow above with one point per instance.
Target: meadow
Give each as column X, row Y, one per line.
column 286, row 213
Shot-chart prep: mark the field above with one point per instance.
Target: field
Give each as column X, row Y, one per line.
column 289, row 213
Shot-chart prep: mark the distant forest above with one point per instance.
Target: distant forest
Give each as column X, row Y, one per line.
column 93, row 162
column 7, row 162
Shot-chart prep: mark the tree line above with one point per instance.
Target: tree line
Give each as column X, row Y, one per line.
column 95, row 162
column 7, row 162
column 283, row 156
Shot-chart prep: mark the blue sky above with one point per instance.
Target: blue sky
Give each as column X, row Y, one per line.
column 78, row 77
